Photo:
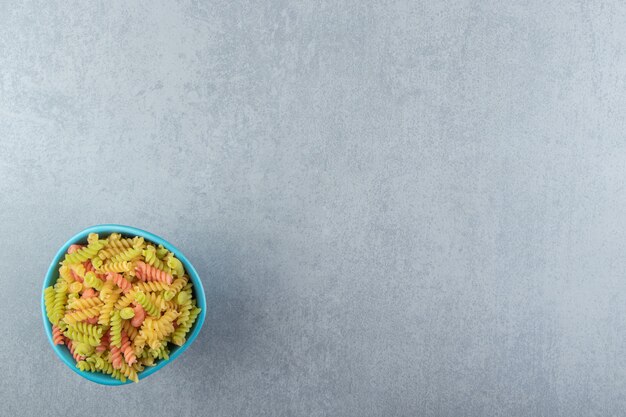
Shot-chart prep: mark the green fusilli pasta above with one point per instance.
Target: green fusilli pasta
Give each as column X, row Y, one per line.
column 92, row 281
column 84, row 254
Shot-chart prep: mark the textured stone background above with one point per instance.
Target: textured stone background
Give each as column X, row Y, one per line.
column 398, row 208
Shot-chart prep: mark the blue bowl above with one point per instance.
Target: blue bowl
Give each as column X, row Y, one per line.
column 105, row 229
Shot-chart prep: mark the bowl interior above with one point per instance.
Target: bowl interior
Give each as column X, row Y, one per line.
column 127, row 231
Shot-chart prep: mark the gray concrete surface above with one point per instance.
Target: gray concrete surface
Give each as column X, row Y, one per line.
column 398, row 208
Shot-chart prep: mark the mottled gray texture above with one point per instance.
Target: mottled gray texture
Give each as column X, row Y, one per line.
column 398, row 208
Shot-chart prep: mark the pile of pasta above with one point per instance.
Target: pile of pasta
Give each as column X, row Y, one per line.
column 118, row 303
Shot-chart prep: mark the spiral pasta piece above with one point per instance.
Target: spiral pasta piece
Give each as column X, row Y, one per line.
column 147, row 272
column 57, row 335
column 140, row 316
column 155, row 342
column 138, row 367
column 139, row 242
column 152, row 259
column 120, row 281
column 161, row 353
column 170, row 305
column 148, row 331
column 87, row 329
column 84, row 349
column 88, row 265
column 72, row 349
column 127, row 313
column 167, row 318
column 163, row 327
column 127, row 349
column 72, row 296
column 125, row 300
column 118, row 375
column 81, row 315
column 116, row 329
column 184, row 306
column 89, row 293
column 129, row 372
column 49, row 295
column 161, row 252
column 107, row 309
column 109, row 252
column 104, row 366
column 93, row 282
column 151, row 286
column 74, row 288
column 157, row 300
column 136, row 242
column 116, row 357
column 104, row 343
column 84, row 303
column 114, row 236
column 96, row 262
column 140, row 342
column 81, row 337
column 60, row 298
column 107, row 289
column 86, row 366
column 178, row 337
column 178, row 284
column 92, row 266
column 93, row 238
column 123, row 266
column 129, row 329
column 127, row 255
column 74, row 248
column 74, row 276
column 121, row 244
column 175, row 288
column 77, row 271
column 175, row 265
column 147, row 304
column 84, row 254
column 66, row 275
column 147, row 361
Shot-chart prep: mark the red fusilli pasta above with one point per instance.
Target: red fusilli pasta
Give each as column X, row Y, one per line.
column 104, row 343
column 57, row 335
column 89, row 293
column 116, row 357
column 140, row 315
column 120, row 281
column 147, row 272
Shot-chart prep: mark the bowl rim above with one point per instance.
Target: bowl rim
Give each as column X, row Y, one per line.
column 127, row 230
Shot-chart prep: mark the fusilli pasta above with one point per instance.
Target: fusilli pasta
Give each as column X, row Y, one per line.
column 147, row 272
column 118, row 303
column 84, row 254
